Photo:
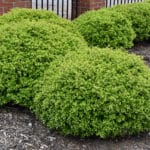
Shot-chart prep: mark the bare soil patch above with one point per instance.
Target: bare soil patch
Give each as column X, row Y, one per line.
column 142, row 49
column 21, row 130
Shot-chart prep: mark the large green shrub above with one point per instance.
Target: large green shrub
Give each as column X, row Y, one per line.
column 105, row 29
column 96, row 92
column 19, row 14
column 26, row 49
column 139, row 16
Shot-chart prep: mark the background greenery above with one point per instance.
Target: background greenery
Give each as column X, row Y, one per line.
column 139, row 15
column 105, row 28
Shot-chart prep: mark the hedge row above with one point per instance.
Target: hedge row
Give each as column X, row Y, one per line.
column 115, row 27
column 47, row 66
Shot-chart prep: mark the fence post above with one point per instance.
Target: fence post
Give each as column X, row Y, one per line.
column 7, row 5
column 81, row 6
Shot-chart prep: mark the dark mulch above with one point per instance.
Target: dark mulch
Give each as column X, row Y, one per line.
column 21, row 130
column 142, row 49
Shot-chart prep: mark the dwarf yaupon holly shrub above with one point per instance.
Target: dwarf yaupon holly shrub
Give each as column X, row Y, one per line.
column 26, row 50
column 99, row 92
column 19, row 14
column 105, row 29
column 139, row 16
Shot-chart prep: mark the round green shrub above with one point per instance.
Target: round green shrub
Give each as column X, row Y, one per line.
column 19, row 14
column 99, row 92
column 105, row 29
column 26, row 50
column 139, row 16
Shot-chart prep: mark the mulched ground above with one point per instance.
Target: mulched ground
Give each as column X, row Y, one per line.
column 142, row 49
column 21, row 130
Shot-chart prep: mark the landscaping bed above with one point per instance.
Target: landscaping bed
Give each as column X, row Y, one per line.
column 21, row 130
column 59, row 91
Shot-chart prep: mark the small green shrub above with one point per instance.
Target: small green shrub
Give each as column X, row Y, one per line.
column 19, row 14
column 105, row 29
column 139, row 16
column 26, row 50
column 99, row 92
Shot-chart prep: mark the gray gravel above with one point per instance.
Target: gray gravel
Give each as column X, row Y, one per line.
column 20, row 130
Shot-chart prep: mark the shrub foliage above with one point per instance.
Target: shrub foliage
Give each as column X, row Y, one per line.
column 26, row 49
column 104, row 28
column 98, row 92
column 19, row 14
column 45, row 65
column 139, row 16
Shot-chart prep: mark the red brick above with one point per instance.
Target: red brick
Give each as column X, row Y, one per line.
column 6, row 5
column 86, row 5
column 1, row 10
column 83, row 5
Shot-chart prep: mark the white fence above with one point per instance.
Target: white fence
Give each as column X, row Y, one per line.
column 110, row 3
column 60, row 7
column 64, row 7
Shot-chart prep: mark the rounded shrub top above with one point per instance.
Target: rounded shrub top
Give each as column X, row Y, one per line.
column 96, row 92
column 26, row 49
column 104, row 28
column 19, row 14
column 139, row 16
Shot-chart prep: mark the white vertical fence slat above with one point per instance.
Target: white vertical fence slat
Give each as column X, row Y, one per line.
column 61, row 4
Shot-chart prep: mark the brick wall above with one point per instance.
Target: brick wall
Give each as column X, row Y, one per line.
column 85, row 5
column 6, row 5
column 79, row 6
